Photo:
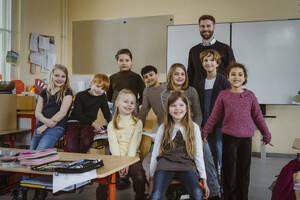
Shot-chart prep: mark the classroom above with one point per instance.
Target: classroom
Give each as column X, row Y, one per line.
column 57, row 17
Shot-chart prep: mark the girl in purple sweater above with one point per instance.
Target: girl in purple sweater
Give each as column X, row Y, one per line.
column 241, row 111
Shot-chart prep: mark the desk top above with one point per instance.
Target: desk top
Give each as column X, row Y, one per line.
column 13, row 131
column 112, row 164
column 296, row 144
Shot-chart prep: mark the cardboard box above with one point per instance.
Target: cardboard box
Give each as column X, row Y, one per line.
column 8, row 112
column 26, row 102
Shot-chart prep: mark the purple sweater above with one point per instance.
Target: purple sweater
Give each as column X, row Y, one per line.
column 241, row 111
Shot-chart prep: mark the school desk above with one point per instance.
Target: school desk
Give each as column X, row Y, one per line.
column 112, row 164
column 11, row 135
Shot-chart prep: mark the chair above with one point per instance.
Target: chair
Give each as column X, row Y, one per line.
column 39, row 85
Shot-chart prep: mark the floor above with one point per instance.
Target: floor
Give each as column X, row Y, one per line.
column 262, row 175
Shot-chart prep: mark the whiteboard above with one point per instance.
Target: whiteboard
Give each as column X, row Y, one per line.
column 270, row 51
column 181, row 38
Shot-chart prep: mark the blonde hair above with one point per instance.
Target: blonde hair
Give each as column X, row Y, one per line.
column 116, row 116
column 186, row 122
column 102, row 80
column 62, row 90
column 170, row 82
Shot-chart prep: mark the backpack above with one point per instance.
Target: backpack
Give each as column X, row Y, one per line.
column 284, row 187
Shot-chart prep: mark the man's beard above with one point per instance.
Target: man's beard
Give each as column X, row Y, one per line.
column 206, row 37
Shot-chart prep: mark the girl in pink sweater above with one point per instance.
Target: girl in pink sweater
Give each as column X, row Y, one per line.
column 240, row 110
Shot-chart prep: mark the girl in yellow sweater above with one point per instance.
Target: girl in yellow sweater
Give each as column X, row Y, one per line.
column 124, row 136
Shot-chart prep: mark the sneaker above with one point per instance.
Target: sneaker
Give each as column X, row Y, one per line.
column 19, row 193
column 123, row 183
column 40, row 194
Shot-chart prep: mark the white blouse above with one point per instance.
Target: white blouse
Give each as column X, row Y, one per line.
column 198, row 144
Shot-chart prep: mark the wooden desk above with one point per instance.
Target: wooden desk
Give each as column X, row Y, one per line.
column 112, row 164
column 11, row 134
column 296, row 144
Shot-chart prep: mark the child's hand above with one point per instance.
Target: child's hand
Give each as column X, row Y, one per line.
column 50, row 123
column 124, row 172
column 206, row 189
column 150, row 187
column 41, row 129
column 97, row 126
column 204, row 140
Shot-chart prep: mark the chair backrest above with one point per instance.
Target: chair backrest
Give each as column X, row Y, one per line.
column 39, row 85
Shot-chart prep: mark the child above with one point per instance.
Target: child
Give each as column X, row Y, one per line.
column 240, row 109
column 80, row 132
column 125, row 78
column 124, row 137
column 151, row 94
column 208, row 90
column 178, row 80
column 51, row 112
column 177, row 151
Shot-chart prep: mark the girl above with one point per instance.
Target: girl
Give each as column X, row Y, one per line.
column 240, row 109
column 208, row 90
column 80, row 132
column 177, row 80
column 124, row 137
column 51, row 112
column 176, row 152
column 52, row 109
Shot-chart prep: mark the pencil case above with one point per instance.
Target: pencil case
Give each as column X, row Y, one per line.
column 80, row 166
column 39, row 157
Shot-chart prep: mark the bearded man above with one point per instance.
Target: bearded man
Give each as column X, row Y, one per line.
column 196, row 72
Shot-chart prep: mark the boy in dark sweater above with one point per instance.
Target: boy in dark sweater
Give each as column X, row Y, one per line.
column 82, row 124
column 125, row 78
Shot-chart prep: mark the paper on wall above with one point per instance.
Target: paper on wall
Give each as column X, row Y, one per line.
column 34, row 42
column 38, row 59
column 51, row 60
column 44, row 42
column 62, row 180
column 52, row 49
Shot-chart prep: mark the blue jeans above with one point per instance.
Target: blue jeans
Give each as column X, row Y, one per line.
column 47, row 139
column 215, row 144
column 163, row 178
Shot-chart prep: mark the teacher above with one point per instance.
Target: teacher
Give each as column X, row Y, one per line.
column 207, row 26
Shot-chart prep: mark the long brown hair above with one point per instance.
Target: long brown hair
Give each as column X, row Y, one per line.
column 117, row 112
column 186, row 122
column 170, row 82
column 62, row 90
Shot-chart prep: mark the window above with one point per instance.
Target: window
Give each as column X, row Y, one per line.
column 5, row 37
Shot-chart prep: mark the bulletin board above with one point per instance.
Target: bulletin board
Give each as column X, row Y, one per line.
column 42, row 52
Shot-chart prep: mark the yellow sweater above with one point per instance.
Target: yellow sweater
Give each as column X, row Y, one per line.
column 126, row 140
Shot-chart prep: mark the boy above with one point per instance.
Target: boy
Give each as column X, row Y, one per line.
column 151, row 94
column 125, row 78
column 80, row 132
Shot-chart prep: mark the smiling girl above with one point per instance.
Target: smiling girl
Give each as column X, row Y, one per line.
column 51, row 110
column 124, row 137
column 241, row 111
column 177, row 151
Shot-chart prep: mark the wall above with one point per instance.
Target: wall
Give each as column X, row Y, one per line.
column 40, row 16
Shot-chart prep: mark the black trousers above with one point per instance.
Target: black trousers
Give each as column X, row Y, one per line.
column 236, row 162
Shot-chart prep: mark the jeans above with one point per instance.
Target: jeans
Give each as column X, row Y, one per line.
column 47, row 139
column 163, row 178
column 215, row 143
column 211, row 172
